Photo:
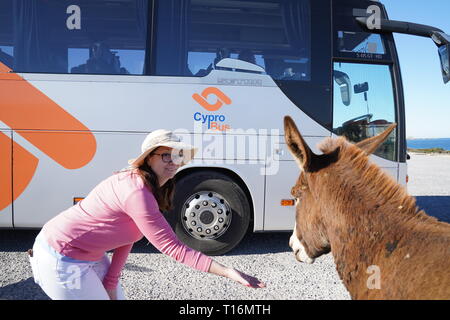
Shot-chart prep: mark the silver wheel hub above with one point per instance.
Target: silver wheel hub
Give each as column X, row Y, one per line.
column 207, row 215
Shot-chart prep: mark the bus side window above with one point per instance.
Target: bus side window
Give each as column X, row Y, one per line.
column 101, row 61
column 191, row 37
column 6, row 35
column 6, row 59
column 44, row 42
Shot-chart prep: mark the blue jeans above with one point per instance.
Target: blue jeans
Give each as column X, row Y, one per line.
column 64, row 278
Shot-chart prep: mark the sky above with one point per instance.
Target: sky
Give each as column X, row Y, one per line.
column 427, row 99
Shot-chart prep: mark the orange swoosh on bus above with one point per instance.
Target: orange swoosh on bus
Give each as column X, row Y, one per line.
column 23, row 168
column 221, row 99
column 5, row 171
column 23, row 108
column 46, row 125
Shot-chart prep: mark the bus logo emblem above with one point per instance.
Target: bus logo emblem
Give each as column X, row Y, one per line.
column 222, row 99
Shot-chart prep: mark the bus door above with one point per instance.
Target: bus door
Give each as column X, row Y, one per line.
column 310, row 104
column 366, row 98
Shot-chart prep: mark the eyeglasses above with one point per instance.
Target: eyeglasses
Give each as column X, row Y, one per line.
column 169, row 157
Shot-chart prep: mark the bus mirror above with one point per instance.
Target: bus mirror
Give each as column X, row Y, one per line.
column 345, row 85
column 444, row 56
column 361, row 87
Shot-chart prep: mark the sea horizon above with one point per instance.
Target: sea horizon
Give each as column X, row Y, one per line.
column 428, row 143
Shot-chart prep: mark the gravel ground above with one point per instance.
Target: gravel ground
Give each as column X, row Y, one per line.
column 150, row 275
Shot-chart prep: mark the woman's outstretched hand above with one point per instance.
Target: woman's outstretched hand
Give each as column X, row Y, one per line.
column 245, row 279
column 236, row 275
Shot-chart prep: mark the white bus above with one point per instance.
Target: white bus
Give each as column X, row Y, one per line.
column 82, row 82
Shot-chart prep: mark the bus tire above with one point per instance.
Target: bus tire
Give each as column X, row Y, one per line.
column 211, row 212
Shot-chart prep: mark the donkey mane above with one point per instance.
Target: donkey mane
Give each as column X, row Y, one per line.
column 354, row 164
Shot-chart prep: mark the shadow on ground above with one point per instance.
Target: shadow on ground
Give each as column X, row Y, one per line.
column 23, row 290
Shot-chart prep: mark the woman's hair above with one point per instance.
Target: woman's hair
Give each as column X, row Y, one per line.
column 163, row 194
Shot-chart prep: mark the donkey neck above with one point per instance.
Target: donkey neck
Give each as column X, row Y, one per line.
column 358, row 239
column 363, row 219
column 366, row 192
column 369, row 218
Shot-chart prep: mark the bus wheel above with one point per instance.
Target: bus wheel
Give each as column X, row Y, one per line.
column 211, row 212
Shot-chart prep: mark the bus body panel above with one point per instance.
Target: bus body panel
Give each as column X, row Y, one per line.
column 120, row 114
column 135, row 106
column 53, row 187
column 402, row 173
column 278, row 187
column 6, row 182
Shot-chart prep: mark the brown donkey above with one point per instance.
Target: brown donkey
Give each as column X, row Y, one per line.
column 383, row 246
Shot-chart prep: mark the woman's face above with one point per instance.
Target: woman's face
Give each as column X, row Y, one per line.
column 163, row 170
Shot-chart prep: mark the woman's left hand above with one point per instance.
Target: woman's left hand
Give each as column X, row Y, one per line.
column 236, row 275
column 244, row 279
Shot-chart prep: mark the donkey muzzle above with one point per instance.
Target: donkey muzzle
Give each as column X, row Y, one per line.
column 299, row 250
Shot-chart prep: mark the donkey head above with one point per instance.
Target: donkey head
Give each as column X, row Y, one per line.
column 313, row 188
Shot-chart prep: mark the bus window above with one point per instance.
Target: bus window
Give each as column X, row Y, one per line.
column 360, row 42
column 363, row 103
column 350, row 39
column 273, row 34
column 88, row 37
column 6, row 56
column 6, row 35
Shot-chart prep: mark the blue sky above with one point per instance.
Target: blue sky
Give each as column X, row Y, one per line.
column 427, row 99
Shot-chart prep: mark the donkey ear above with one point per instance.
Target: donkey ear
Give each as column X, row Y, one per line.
column 371, row 144
column 296, row 144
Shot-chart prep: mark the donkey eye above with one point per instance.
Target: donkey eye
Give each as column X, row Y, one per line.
column 295, row 192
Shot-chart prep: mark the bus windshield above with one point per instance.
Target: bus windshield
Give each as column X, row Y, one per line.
column 363, row 103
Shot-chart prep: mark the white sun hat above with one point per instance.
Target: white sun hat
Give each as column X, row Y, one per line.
column 164, row 138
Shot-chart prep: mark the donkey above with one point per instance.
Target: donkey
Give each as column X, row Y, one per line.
column 383, row 246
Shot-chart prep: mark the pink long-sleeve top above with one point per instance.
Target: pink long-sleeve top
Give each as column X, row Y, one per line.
column 116, row 213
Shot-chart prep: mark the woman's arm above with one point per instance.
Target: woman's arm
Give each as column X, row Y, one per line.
column 119, row 258
column 143, row 209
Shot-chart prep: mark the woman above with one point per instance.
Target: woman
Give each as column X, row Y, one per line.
column 69, row 258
